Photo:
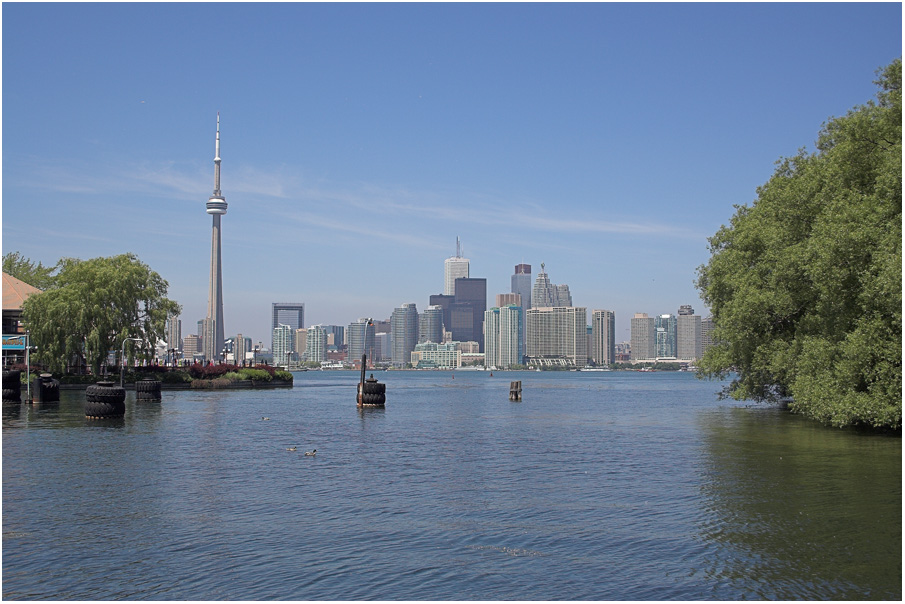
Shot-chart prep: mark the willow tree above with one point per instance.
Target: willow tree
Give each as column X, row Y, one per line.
column 805, row 285
column 93, row 306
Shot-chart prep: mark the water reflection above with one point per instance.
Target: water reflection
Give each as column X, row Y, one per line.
column 789, row 500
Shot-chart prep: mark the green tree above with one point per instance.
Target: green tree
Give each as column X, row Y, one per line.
column 95, row 305
column 805, row 285
column 23, row 269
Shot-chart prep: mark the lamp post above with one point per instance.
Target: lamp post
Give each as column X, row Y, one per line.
column 122, row 359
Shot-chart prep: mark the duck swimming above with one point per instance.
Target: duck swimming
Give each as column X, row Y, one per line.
column 311, row 453
column 265, row 418
column 291, row 449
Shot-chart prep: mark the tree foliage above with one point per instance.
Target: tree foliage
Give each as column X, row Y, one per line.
column 805, row 285
column 23, row 269
column 93, row 307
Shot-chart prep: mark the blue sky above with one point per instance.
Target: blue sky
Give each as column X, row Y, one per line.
column 359, row 140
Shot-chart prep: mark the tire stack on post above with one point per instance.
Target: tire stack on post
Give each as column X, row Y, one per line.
column 147, row 390
column 104, row 400
column 12, row 386
column 371, row 393
column 45, row 389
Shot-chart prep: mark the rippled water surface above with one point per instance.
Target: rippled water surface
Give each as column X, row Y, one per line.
column 595, row 486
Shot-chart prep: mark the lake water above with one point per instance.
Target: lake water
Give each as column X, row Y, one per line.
column 639, row 486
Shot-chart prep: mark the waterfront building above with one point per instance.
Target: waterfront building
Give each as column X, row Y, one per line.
column 282, row 345
column 288, row 313
column 471, row 302
column 383, row 347
column 174, row 333
column 240, row 347
column 706, row 334
column 557, row 336
column 665, row 328
column 644, row 340
column 300, row 342
column 431, row 355
column 316, row 344
column 563, row 295
column 430, row 325
column 213, row 337
column 359, row 341
column 492, row 337
column 191, row 345
column 404, row 321
column 689, row 336
column 502, row 331
column 603, row 337
column 455, row 267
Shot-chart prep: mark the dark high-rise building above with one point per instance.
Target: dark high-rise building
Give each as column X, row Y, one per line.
column 470, row 292
column 291, row 314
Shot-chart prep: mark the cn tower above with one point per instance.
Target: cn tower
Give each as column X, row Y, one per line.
column 213, row 338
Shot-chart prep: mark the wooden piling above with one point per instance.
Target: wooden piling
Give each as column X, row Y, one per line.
column 515, row 391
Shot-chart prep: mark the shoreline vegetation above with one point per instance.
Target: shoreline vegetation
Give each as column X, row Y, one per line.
column 192, row 377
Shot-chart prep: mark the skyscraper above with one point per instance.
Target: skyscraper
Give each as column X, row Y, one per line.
column 603, row 337
column 291, row 314
column 405, row 333
column 471, row 300
column 644, row 340
column 665, row 327
column 216, row 207
column 359, row 341
column 548, row 295
column 502, row 328
column 316, row 344
column 431, row 325
column 454, row 268
column 174, row 333
column 282, row 344
column 557, row 336
column 521, row 283
column 689, row 335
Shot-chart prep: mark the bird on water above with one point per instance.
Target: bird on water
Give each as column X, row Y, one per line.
column 311, row 453
column 291, row 449
column 265, row 419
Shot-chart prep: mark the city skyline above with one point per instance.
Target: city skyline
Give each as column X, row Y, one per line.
column 607, row 141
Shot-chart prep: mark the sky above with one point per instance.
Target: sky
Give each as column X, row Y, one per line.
column 358, row 141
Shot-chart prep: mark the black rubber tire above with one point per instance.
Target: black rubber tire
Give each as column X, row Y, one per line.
column 95, row 409
column 105, row 392
column 147, row 389
column 12, row 380
column 147, row 386
column 374, row 388
column 373, row 399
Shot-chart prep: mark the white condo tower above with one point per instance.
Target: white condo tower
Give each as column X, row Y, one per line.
column 213, row 325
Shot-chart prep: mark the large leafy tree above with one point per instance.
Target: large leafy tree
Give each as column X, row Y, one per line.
column 93, row 307
column 805, row 285
column 23, row 269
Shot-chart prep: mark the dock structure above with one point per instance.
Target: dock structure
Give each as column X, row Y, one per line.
column 515, row 391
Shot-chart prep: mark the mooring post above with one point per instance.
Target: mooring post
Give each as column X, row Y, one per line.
column 361, row 382
column 515, row 391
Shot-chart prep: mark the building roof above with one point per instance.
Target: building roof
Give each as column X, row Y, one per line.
column 15, row 292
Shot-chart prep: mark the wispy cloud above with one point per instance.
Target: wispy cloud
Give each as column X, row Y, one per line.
column 382, row 205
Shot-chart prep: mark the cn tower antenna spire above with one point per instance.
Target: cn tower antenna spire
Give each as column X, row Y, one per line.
column 217, row 160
